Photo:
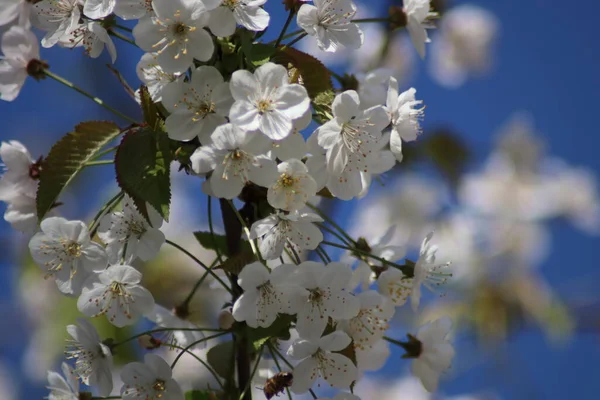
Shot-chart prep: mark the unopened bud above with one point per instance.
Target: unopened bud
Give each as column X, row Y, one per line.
column 226, row 319
column 149, row 342
column 398, row 18
column 35, row 69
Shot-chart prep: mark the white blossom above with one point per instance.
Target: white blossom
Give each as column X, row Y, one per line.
column 266, row 294
column 396, row 286
column 427, row 272
column 197, row 107
column 325, row 297
column 92, row 37
column 63, row 249
column 116, row 292
column 133, row 9
column 369, row 326
column 319, row 360
column 232, row 158
column 293, row 188
column 164, row 318
column 128, row 235
column 153, row 76
column 56, row 17
column 21, row 172
column 418, row 19
column 436, row 352
column 352, row 135
column 266, row 101
column 93, row 359
column 246, row 13
column 21, row 214
column 295, row 230
column 16, row 10
column 176, row 33
column 63, row 387
column 21, row 55
column 405, row 116
column 294, row 145
column 151, row 379
column 96, row 9
column 330, row 22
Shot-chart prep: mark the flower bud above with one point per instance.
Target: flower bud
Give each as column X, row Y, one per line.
column 226, row 320
column 149, row 342
column 398, row 18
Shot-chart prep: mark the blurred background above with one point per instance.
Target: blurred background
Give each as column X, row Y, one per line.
column 506, row 173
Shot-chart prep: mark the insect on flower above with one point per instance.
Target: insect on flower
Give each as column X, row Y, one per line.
column 277, row 384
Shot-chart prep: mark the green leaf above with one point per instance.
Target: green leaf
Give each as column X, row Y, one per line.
column 305, row 69
column 143, row 163
column 220, row 358
column 150, row 110
column 256, row 54
column 280, row 329
column 68, row 157
column 212, row 242
column 199, row 395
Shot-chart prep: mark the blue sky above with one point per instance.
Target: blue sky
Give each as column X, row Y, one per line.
column 547, row 63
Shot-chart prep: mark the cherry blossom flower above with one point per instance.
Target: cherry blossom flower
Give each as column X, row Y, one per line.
column 197, row 107
column 352, row 134
column 21, row 214
column 319, row 360
column 427, row 272
column 394, row 285
column 405, row 117
column 369, row 326
column 247, row 13
column 164, row 318
column 432, row 352
column 57, row 17
column 152, row 74
column 176, row 34
column 151, row 379
column 63, row 249
column 16, row 10
column 294, row 145
column 325, row 297
column 92, row 37
column 232, row 158
column 116, row 292
column 128, row 235
column 266, row 294
column 296, row 230
column 93, row 359
column 266, row 101
column 418, row 19
column 96, row 9
column 21, row 59
column 133, row 9
column 293, row 188
column 330, row 22
column 63, row 388
column 21, row 174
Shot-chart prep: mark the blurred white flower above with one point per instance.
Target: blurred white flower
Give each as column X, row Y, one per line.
column 463, row 46
column 319, row 360
column 247, row 13
column 96, row 9
column 20, row 58
column 164, row 318
column 21, row 172
column 427, row 272
column 150, row 379
column 56, row 17
column 16, row 11
column 133, row 9
column 418, row 20
column 371, row 323
column 63, row 387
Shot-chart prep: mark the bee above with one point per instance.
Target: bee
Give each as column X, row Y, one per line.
column 276, row 385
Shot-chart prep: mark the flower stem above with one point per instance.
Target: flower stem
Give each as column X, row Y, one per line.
column 331, row 222
column 212, row 231
column 122, row 37
column 204, row 339
column 246, row 230
column 289, row 35
column 357, row 21
column 158, row 330
column 293, row 42
column 107, row 208
column 206, row 365
column 123, row 28
column 285, row 27
column 262, row 348
column 103, row 153
column 206, row 268
column 89, row 96
column 101, row 162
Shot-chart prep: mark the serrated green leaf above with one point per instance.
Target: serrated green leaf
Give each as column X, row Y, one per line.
column 212, row 242
column 199, row 395
column 150, row 110
column 67, row 158
column 143, row 163
column 256, row 54
column 235, row 264
column 310, row 72
column 220, row 358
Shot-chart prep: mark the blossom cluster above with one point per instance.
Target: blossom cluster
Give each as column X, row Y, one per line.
column 251, row 130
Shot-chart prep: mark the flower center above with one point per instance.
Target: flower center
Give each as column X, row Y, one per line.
column 118, row 288
column 73, row 249
column 315, row 295
column 231, row 4
column 179, row 29
column 35, row 69
column 137, row 229
column 159, row 386
column 264, row 106
column 286, row 180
